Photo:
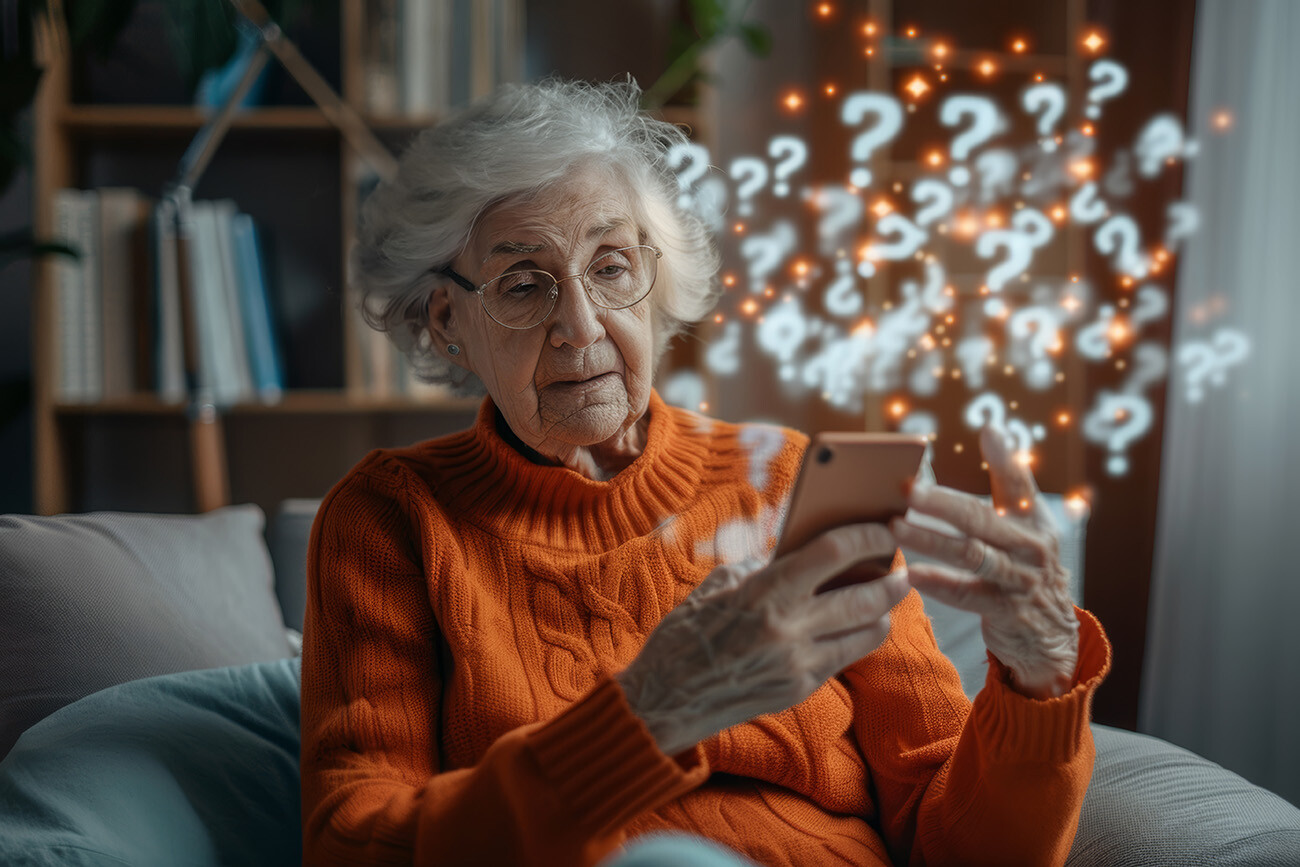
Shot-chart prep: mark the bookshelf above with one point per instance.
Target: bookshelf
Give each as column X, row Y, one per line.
column 327, row 417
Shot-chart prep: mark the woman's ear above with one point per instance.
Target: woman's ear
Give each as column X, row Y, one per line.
column 444, row 324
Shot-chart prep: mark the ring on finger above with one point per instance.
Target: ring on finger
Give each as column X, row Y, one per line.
column 986, row 562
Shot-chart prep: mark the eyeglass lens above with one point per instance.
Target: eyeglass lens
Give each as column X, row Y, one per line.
column 618, row 279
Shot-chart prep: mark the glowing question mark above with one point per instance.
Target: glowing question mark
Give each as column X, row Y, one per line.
column 1152, row 304
column 765, row 252
column 750, row 174
column 1184, row 220
column 1113, row 79
column 1116, row 421
column 1160, row 140
column 1085, row 207
column 889, row 116
column 1120, row 236
column 1093, row 341
column 764, row 442
column 685, row 388
column 1150, row 363
column 1232, row 347
column 973, row 353
column 840, row 210
column 1049, row 99
column 1119, row 181
column 710, row 202
column 934, row 296
column 937, row 198
column 842, row 297
column 1198, row 358
column 780, row 334
column 723, row 356
column 910, row 237
column 1034, row 225
column 987, row 408
column 924, row 380
column 988, row 122
column 1037, row 326
column 795, row 154
column 1022, row 438
column 919, row 422
column 690, row 161
column 1020, row 252
column 997, row 172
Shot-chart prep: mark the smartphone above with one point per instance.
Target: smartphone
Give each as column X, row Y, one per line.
column 851, row 478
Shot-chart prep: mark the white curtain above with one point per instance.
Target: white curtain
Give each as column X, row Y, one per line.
column 1222, row 665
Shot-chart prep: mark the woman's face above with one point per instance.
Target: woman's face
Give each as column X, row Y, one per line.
column 582, row 377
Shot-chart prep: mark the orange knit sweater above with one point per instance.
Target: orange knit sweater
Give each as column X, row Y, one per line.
column 467, row 607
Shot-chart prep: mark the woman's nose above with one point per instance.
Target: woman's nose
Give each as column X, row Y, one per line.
column 575, row 320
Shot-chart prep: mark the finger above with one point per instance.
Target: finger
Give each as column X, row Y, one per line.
column 964, row 552
column 725, row 577
column 834, row 654
column 955, row 587
column 853, row 608
column 1014, row 489
column 796, row 575
column 973, row 517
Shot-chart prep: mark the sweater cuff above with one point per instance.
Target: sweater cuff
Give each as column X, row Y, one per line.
column 1018, row 727
column 604, row 763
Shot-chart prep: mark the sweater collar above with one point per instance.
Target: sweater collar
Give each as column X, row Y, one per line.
column 485, row 480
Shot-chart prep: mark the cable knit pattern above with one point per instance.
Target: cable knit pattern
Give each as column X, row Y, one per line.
column 467, row 608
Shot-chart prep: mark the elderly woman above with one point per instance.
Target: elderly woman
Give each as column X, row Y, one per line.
column 560, row 630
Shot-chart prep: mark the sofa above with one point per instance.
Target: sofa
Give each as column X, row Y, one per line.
column 149, row 705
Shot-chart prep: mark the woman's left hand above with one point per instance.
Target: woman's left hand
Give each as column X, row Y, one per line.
column 1008, row 570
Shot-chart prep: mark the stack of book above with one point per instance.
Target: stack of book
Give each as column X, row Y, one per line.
column 141, row 311
column 424, row 57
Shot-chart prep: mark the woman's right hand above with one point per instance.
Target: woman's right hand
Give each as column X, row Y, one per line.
column 751, row 639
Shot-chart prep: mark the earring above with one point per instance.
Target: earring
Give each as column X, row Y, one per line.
column 453, row 349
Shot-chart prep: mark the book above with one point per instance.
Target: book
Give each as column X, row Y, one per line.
column 235, row 347
column 122, row 210
column 172, row 376
column 255, row 304
column 214, row 381
column 67, row 300
column 379, row 60
column 90, row 300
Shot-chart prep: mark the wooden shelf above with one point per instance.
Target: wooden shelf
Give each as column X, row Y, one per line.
column 304, row 402
column 161, row 119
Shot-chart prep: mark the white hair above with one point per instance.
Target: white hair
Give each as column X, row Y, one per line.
column 516, row 142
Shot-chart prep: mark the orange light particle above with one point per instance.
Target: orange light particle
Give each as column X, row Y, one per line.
column 1019, row 46
column 917, row 87
column 934, row 158
column 869, row 28
column 882, row 206
column 993, row 220
column 870, row 51
column 749, row 307
column 940, row 49
column 824, row 10
column 704, row 406
column 898, row 409
column 911, row 32
column 1222, row 120
column 729, row 280
column 717, row 318
column 801, row 268
column 1063, row 419
column 1059, row 213
column 1118, row 331
column 793, row 101
column 739, row 228
column 1081, row 168
column 829, row 89
column 1093, row 41
column 1087, row 129
column 987, row 68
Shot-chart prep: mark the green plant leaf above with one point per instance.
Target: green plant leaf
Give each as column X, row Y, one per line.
column 709, row 16
column 757, row 38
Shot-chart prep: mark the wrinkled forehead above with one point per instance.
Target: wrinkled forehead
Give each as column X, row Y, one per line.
column 591, row 203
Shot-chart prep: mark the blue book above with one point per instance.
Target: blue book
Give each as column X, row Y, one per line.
column 255, row 306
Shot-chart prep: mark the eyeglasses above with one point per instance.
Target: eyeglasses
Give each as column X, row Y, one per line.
column 523, row 299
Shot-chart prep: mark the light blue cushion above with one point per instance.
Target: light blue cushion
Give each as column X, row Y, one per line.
column 196, row 768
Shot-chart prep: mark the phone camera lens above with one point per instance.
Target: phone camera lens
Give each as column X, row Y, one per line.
column 824, row 455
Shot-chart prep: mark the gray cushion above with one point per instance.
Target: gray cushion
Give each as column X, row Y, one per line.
column 287, row 537
column 1152, row 803
column 94, row 600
